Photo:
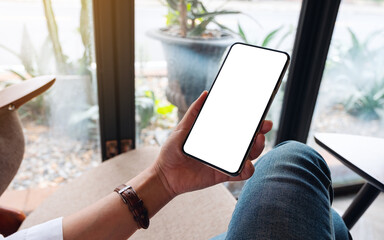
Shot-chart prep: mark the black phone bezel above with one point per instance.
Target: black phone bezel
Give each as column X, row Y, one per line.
column 276, row 88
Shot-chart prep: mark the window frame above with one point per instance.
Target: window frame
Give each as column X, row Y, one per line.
column 115, row 56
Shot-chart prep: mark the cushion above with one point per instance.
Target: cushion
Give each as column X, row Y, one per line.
column 197, row 215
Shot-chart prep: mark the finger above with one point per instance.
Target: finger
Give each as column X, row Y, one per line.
column 257, row 147
column 246, row 173
column 193, row 111
column 266, row 127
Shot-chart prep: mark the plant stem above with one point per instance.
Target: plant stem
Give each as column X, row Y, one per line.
column 183, row 18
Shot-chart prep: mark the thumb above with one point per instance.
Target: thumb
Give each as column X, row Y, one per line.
column 246, row 173
column 190, row 116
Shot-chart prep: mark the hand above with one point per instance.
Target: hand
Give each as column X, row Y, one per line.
column 180, row 173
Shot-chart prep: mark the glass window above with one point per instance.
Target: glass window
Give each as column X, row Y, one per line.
column 351, row 97
column 40, row 37
column 172, row 71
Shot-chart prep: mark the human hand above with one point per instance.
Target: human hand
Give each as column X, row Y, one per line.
column 180, row 173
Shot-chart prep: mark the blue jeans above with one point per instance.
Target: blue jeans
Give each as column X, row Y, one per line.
column 288, row 197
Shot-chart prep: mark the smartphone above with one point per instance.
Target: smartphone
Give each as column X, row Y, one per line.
column 235, row 107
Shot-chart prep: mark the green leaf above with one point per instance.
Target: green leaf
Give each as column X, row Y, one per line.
column 241, row 33
column 213, row 14
column 197, row 31
column 172, row 18
column 355, row 50
column 149, row 94
column 221, row 26
column 198, row 4
column 270, row 36
column 189, row 7
column 355, row 40
column 145, row 110
column 165, row 109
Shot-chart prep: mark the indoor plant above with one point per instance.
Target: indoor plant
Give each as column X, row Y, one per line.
column 192, row 50
column 353, row 65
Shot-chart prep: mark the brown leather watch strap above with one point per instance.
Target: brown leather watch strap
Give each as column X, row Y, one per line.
column 135, row 205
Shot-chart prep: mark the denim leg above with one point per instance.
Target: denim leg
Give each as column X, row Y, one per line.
column 288, row 197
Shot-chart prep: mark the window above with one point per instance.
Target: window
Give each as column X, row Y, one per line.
column 351, row 97
column 41, row 37
column 171, row 72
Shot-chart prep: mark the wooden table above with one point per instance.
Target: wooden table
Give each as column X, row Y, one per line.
column 363, row 155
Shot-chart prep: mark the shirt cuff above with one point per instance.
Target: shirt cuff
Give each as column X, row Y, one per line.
column 51, row 230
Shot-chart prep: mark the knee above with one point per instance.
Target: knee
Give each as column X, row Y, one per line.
column 299, row 156
column 297, row 151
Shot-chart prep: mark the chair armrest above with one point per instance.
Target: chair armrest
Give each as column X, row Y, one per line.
column 10, row 220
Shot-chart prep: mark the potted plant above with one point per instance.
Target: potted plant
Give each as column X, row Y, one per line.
column 192, row 50
column 364, row 98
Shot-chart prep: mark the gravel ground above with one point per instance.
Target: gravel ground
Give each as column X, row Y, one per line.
column 50, row 161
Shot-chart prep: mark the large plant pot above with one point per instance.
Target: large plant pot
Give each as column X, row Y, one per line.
column 192, row 65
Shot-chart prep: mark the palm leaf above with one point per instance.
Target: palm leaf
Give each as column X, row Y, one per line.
column 241, row 33
column 213, row 14
column 270, row 36
column 197, row 31
column 356, row 46
column 221, row 26
column 355, row 40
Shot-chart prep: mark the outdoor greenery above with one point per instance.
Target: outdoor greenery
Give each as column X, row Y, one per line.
column 38, row 63
column 190, row 18
column 150, row 109
column 368, row 103
column 358, row 67
column 269, row 37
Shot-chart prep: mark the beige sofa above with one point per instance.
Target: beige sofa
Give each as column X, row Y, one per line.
column 198, row 215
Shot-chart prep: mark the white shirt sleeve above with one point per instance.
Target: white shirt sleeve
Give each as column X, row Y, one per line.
column 51, row 230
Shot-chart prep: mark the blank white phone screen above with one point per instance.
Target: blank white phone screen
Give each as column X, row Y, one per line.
column 235, row 105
